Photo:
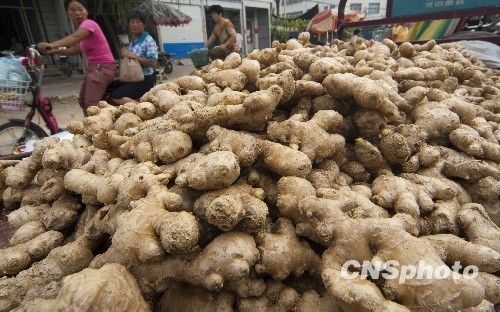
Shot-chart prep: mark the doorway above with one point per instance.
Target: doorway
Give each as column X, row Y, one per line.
column 20, row 22
column 249, row 36
column 257, row 29
column 12, row 26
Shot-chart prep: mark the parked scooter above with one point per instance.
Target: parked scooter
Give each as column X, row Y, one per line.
column 66, row 66
column 165, row 65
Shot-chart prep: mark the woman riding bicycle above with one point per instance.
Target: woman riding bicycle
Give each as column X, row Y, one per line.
column 90, row 40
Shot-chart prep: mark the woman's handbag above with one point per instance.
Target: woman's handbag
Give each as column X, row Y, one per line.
column 130, row 71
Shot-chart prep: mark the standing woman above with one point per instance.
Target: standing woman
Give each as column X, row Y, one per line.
column 143, row 49
column 90, row 40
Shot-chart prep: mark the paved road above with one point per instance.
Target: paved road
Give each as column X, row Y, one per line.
column 64, row 91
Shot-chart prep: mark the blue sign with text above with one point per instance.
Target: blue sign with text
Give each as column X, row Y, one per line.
column 419, row 7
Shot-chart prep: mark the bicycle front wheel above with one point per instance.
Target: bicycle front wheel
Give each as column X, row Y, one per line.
column 14, row 134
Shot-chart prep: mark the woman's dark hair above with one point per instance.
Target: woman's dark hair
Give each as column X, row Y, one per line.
column 82, row 2
column 215, row 9
column 137, row 15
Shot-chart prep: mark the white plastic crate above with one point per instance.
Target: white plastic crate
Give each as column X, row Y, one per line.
column 13, row 94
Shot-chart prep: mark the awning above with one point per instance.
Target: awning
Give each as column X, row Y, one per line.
column 327, row 20
column 309, row 14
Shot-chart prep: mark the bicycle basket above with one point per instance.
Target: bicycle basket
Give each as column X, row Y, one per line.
column 13, row 94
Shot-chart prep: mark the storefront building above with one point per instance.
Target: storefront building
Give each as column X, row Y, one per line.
column 251, row 18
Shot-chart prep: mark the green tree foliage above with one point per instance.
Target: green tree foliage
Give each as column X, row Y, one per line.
column 281, row 28
column 120, row 8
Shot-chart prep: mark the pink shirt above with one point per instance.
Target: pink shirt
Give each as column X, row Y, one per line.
column 95, row 47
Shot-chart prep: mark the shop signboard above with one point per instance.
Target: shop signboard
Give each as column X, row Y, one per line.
column 423, row 7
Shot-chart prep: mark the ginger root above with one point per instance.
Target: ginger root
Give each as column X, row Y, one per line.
column 117, row 291
column 282, row 253
column 364, row 91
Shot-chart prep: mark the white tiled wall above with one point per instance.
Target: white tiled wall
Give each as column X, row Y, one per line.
column 192, row 32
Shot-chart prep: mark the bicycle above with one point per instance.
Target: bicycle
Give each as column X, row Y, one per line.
column 16, row 132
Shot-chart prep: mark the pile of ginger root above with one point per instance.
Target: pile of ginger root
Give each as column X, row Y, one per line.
column 248, row 186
